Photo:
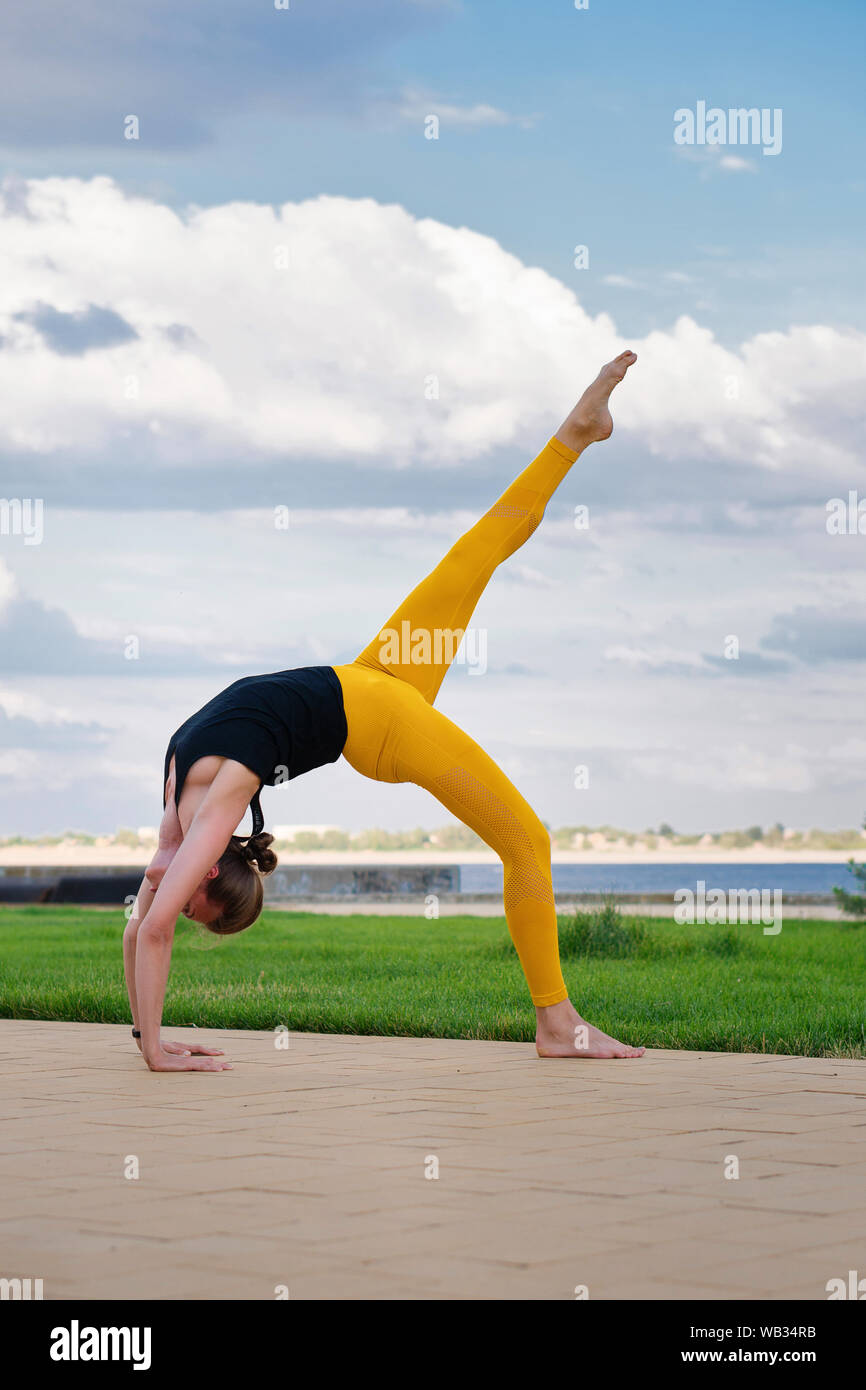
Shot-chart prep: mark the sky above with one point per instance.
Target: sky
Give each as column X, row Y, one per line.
column 350, row 267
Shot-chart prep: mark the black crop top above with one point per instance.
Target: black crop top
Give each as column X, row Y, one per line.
column 279, row 726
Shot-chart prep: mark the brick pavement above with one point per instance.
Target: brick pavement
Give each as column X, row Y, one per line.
column 305, row 1168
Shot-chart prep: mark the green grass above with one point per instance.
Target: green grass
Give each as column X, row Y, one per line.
column 646, row 981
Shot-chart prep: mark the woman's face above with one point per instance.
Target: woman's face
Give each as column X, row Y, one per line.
column 200, row 908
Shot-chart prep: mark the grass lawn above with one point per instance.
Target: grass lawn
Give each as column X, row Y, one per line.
column 649, row 981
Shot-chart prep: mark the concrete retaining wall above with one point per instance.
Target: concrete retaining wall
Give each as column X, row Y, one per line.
column 309, row 885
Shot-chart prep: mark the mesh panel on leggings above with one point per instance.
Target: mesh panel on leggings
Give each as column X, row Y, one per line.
column 523, row 876
column 514, row 513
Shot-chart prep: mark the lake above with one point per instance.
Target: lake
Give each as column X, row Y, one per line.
column 667, row 878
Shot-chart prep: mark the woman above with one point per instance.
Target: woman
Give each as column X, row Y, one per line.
column 378, row 713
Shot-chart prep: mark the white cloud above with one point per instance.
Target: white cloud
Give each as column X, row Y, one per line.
column 650, row 658
column 788, row 770
column 388, row 337
column 526, row 574
column 21, row 765
column 735, row 164
column 709, row 158
column 8, row 585
column 417, row 106
column 25, row 705
column 852, row 750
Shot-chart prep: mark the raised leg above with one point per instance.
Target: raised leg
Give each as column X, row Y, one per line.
column 422, row 636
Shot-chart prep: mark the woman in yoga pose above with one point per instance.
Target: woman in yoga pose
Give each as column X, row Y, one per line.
column 378, row 713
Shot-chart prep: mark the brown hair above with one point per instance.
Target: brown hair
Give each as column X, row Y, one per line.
column 238, row 887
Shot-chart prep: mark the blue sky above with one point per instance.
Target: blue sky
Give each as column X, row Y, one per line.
column 152, row 260
column 594, row 164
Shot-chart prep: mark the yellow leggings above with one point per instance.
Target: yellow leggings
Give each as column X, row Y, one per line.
column 395, row 734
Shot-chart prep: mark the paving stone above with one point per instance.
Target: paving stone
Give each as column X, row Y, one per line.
column 307, row 1168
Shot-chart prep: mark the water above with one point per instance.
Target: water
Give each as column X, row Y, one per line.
column 667, row 878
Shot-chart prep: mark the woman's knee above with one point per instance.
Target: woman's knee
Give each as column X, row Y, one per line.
column 527, row 845
column 539, row 839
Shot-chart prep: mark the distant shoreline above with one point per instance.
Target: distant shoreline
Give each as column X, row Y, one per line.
column 117, row 856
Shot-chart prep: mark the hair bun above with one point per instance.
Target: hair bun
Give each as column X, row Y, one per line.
column 256, row 851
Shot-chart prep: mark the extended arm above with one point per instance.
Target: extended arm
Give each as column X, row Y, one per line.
column 214, row 823
column 140, row 908
column 170, row 840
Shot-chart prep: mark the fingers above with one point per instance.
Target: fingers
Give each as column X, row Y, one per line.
column 198, row 1064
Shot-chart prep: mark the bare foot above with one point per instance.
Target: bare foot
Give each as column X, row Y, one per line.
column 561, row 1032
column 591, row 420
